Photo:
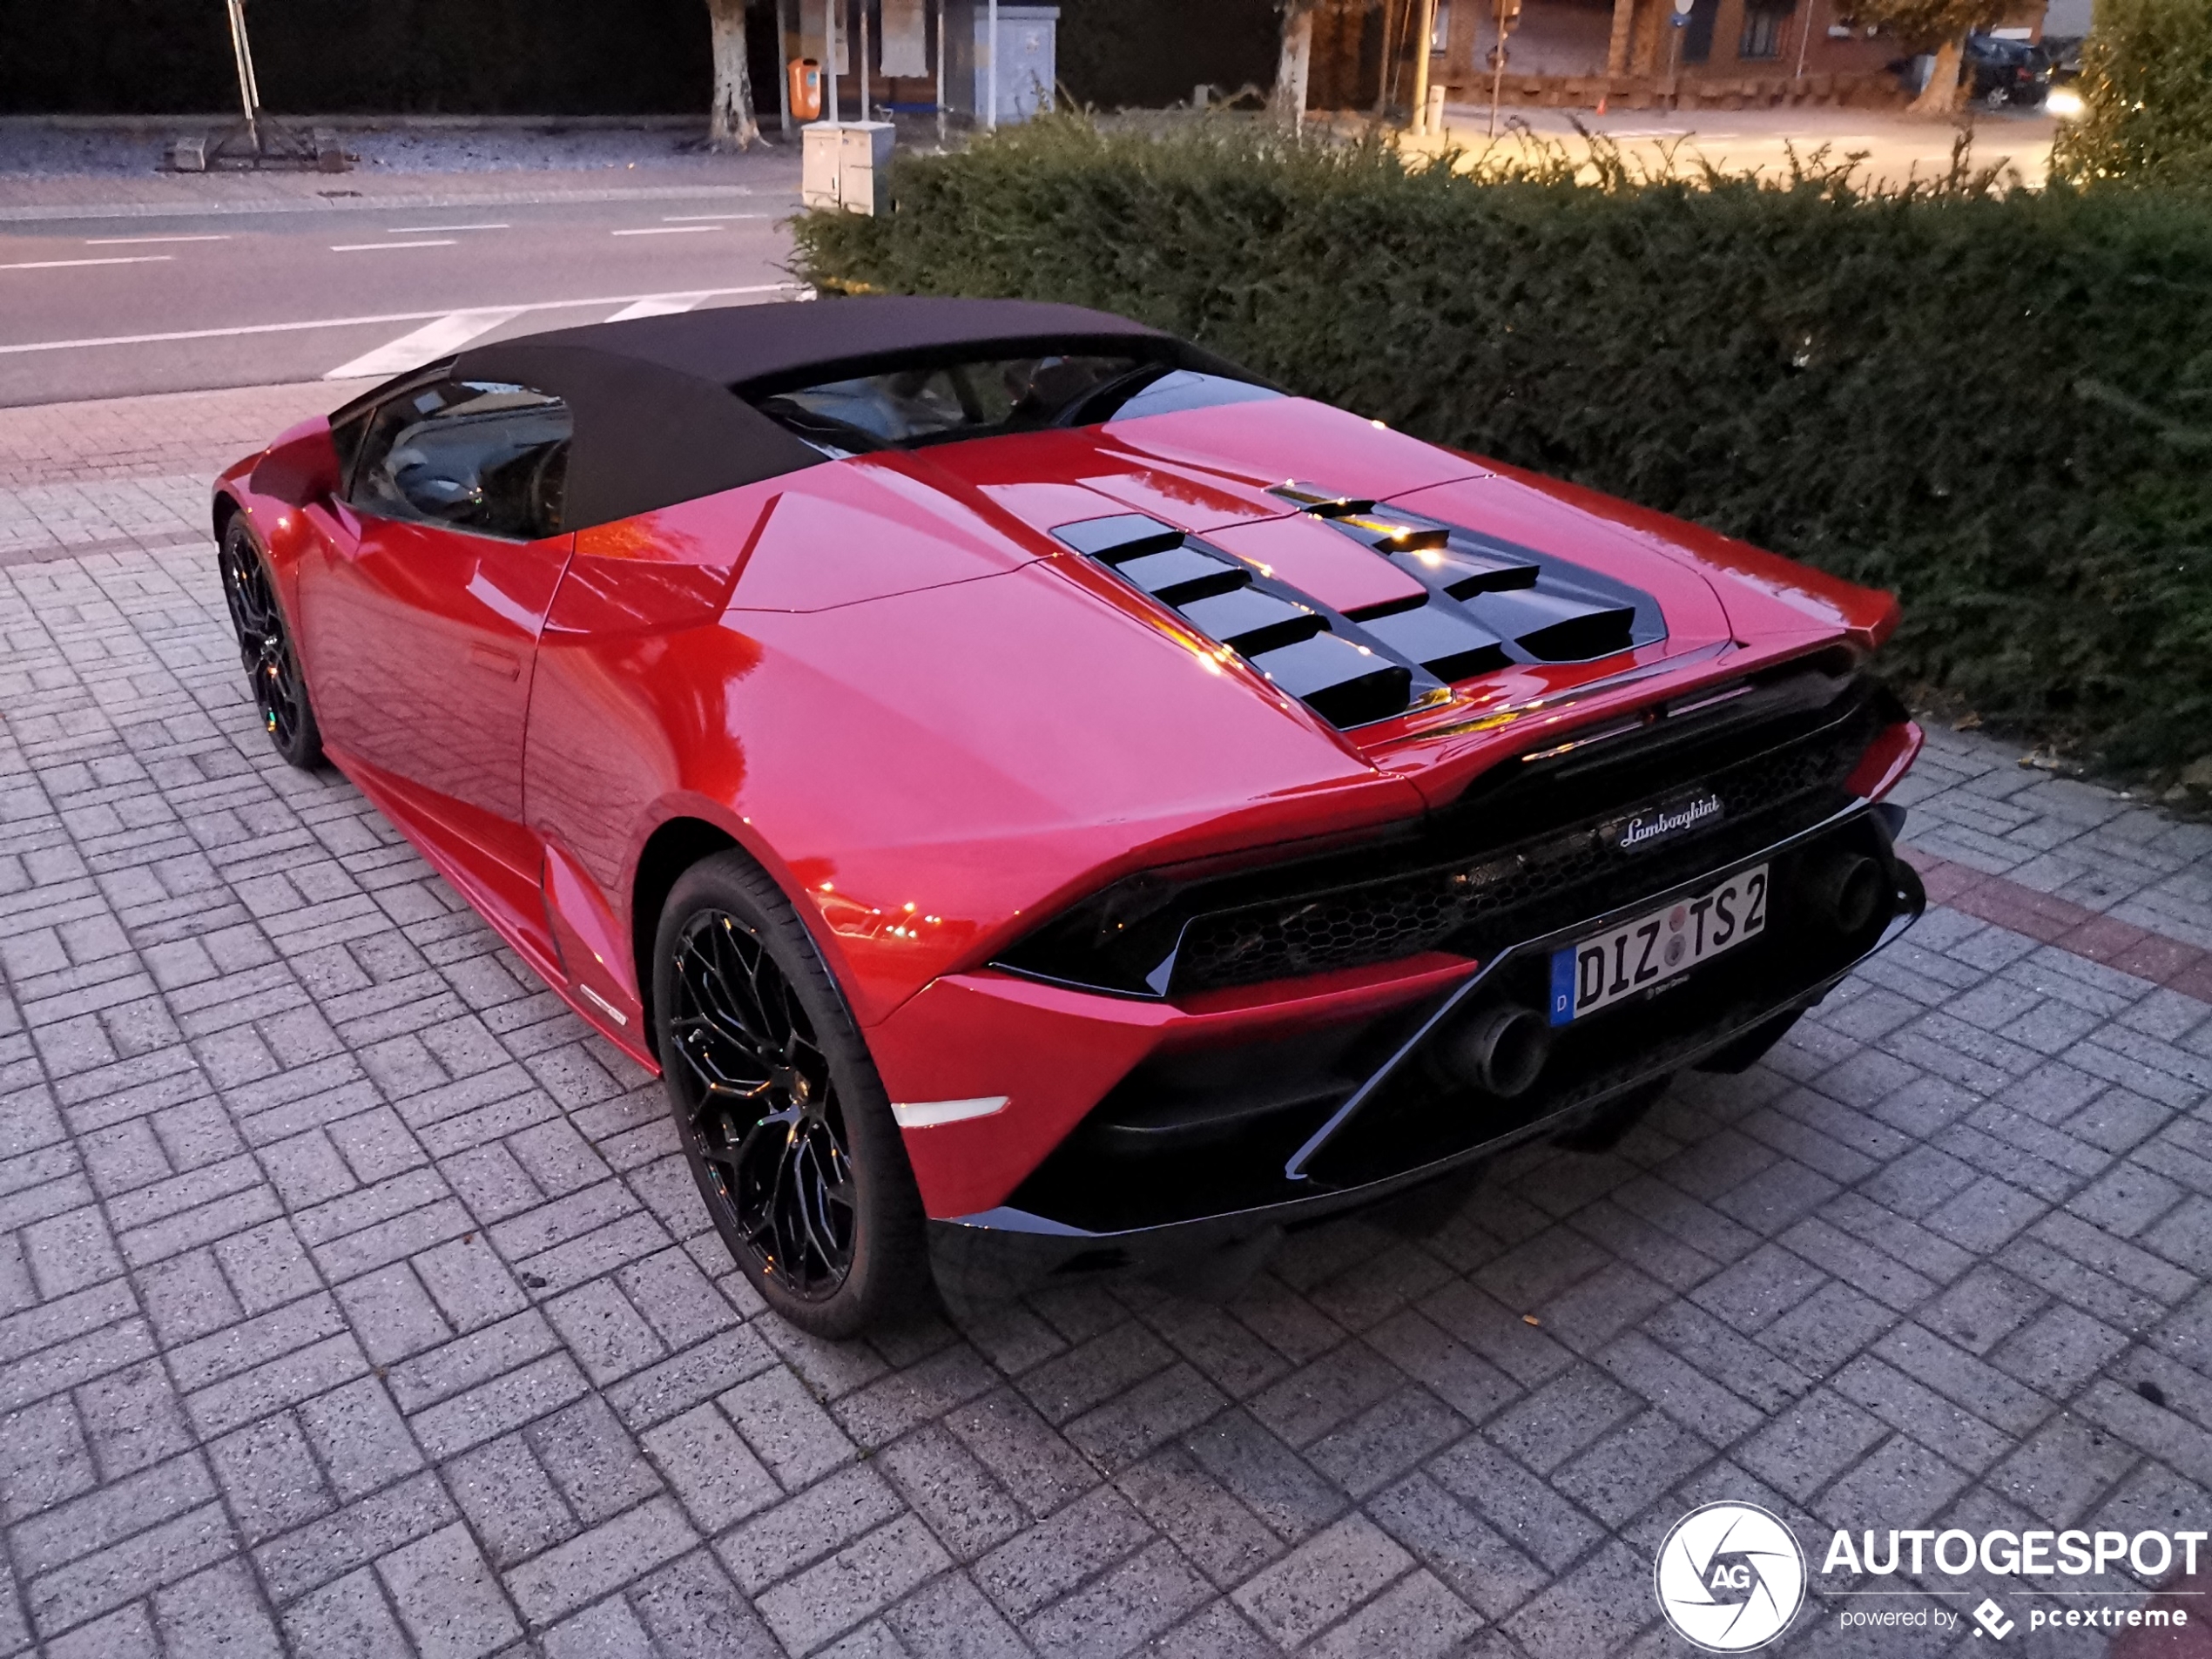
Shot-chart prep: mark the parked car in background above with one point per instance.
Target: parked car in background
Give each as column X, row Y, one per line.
column 2007, row 72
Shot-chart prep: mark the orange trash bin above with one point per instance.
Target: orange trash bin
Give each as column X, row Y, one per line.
column 805, row 89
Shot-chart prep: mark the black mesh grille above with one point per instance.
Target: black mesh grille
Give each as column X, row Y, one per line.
column 1477, row 903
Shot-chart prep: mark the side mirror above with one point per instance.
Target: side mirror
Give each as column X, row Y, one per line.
column 300, row 467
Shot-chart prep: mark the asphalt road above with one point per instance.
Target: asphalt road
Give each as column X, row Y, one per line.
column 95, row 308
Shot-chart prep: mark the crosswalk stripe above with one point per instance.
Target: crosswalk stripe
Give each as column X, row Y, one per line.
column 661, row 305
column 433, row 339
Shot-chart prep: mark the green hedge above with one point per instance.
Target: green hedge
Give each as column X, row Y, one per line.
column 1999, row 404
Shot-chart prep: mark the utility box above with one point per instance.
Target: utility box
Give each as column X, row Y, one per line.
column 839, row 163
column 1026, row 64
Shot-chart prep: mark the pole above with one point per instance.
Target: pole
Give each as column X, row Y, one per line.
column 829, row 52
column 864, row 60
column 991, row 58
column 940, row 74
column 1498, row 70
column 1423, row 38
column 249, row 95
column 1389, row 62
column 785, row 36
column 1804, row 37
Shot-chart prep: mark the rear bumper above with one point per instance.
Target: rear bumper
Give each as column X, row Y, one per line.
column 1170, row 1180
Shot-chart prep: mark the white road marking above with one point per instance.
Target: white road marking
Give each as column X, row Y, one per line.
column 357, row 322
column 686, row 219
column 363, row 248
column 661, row 305
column 665, row 229
column 928, row 1114
column 126, row 241
column 426, row 230
column 433, row 339
column 55, row 265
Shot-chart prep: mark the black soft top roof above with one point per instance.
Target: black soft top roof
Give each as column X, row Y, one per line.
column 659, row 403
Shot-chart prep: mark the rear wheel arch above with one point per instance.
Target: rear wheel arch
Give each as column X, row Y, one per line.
column 672, row 848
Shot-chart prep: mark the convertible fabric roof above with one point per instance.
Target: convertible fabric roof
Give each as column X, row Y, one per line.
column 659, row 402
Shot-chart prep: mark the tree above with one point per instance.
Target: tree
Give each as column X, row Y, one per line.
column 731, row 124
column 1294, row 63
column 2147, row 94
column 1937, row 26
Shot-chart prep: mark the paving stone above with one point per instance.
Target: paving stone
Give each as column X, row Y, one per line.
column 447, row 1596
column 1452, row 1541
column 804, row 1528
column 787, row 1429
column 1327, row 1576
column 1216, row 1533
column 605, row 1558
column 860, row 1579
column 349, row 1619
column 692, row 1611
column 1052, row 1558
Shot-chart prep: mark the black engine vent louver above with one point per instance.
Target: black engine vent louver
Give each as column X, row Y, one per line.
column 1537, row 608
column 1344, row 671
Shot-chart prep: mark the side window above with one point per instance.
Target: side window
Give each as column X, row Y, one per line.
column 479, row 455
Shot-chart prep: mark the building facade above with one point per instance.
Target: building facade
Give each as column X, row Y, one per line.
column 1628, row 54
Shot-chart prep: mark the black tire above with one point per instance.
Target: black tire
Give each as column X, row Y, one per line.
column 265, row 648
column 783, row 1118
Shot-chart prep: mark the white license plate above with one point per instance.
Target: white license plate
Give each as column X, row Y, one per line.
column 1611, row 967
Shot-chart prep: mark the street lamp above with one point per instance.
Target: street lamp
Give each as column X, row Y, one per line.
column 256, row 141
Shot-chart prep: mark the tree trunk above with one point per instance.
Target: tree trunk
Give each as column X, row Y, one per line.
column 1940, row 96
column 1295, row 61
column 730, row 125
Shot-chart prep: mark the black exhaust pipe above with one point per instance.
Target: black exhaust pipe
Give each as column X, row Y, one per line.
column 1501, row 1051
column 1850, row 888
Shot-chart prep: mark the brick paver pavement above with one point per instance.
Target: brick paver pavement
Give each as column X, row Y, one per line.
column 354, row 1299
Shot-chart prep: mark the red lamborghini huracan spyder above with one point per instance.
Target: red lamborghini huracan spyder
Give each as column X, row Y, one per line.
column 1048, row 802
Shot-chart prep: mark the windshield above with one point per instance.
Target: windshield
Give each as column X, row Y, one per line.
column 943, row 403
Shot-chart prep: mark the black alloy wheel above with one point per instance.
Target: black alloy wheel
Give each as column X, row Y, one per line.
column 782, row 1117
column 264, row 648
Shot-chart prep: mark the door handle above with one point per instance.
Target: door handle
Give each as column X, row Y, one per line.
column 492, row 660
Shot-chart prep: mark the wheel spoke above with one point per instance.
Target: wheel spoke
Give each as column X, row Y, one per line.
column 271, row 669
column 762, row 1110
